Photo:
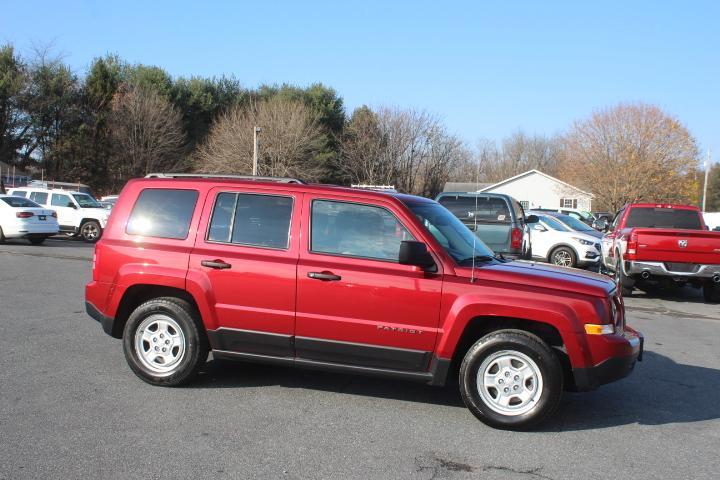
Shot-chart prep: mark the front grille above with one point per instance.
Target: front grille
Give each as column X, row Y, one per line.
column 682, row 267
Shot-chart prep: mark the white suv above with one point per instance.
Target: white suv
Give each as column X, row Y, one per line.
column 556, row 243
column 78, row 213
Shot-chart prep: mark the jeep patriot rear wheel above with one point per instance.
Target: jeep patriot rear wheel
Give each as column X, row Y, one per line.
column 164, row 342
column 511, row 379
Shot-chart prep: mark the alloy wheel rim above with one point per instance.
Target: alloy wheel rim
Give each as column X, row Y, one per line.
column 90, row 231
column 562, row 258
column 509, row 382
column 160, row 344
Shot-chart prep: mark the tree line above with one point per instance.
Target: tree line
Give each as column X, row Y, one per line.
column 119, row 121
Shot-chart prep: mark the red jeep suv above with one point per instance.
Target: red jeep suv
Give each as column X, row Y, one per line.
column 348, row 280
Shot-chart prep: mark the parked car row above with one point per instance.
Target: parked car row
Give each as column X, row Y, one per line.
column 78, row 213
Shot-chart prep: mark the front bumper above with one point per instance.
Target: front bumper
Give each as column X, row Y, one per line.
column 614, row 368
column 633, row 268
column 105, row 321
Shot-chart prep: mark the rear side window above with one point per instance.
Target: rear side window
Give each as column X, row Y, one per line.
column 39, row 197
column 646, row 217
column 161, row 212
column 485, row 209
column 19, row 193
column 251, row 219
column 356, row 230
column 19, row 202
column 59, row 200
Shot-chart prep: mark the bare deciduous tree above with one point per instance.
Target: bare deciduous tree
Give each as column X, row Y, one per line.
column 630, row 153
column 407, row 148
column 519, row 153
column 147, row 132
column 291, row 136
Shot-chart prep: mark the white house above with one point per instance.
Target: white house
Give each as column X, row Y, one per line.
column 534, row 189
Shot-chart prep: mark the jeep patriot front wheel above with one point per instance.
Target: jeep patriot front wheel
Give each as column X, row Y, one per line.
column 511, row 379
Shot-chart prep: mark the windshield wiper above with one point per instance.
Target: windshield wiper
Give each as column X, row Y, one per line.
column 478, row 258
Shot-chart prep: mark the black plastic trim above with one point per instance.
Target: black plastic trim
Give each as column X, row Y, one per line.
column 251, row 342
column 105, row 321
column 372, row 356
column 610, row 370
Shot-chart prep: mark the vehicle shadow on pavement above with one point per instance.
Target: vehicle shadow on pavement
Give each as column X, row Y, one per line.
column 229, row 374
column 683, row 294
column 659, row 391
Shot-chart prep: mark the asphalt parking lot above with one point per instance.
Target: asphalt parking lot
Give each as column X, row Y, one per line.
column 71, row 408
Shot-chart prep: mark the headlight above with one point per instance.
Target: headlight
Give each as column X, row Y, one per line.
column 583, row 241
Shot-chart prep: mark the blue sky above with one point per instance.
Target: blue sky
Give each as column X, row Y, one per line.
column 486, row 68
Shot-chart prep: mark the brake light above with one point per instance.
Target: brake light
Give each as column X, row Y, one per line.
column 24, row 214
column 516, row 237
column 632, row 246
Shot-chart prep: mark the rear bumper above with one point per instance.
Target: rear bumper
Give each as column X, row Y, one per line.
column 636, row 268
column 105, row 321
column 614, row 368
column 24, row 230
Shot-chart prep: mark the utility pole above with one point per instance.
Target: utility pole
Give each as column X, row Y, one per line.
column 255, row 149
column 707, row 169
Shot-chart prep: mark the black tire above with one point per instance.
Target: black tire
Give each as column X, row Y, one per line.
column 622, row 282
column 711, row 292
column 37, row 240
column 90, row 231
column 195, row 341
column 515, row 342
column 566, row 254
column 2, row 237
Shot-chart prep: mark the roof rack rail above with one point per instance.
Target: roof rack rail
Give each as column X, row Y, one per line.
column 219, row 175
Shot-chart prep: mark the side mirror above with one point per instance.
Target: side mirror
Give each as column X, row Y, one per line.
column 600, row 224
column 416, row 253
column 532, row 219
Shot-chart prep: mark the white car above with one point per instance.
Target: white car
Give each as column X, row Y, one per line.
column 556, row 243
column 78, row 213
column 23, row 218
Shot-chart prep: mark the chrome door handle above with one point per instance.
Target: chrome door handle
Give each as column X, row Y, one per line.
column 217, row 264
column 324, row 276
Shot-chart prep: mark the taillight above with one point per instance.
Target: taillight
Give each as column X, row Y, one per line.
column 54, row 214
column 632, row 245
column 516, row 237
column 24, row 214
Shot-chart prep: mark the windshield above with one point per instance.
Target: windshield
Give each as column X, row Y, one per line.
column 574, row 223
column 450, row 232
column 20, row 202
column 86, row 201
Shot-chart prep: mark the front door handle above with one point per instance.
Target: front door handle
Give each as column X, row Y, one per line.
column 324, row 276
column 218, row 264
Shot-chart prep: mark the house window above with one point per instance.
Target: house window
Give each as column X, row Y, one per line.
column 525, row 204
column 568, row 203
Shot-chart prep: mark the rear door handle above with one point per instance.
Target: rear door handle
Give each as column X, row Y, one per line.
column 218, row 264
column 324, row 276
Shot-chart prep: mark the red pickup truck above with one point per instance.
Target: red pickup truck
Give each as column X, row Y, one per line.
column 348, row 280
column 650, row 244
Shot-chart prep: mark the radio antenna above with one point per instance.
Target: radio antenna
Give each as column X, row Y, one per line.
column 477, row 188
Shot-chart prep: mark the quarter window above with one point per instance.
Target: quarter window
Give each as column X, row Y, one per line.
column 250, row 219
column 164, row 213
column 356, row 230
